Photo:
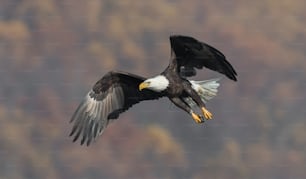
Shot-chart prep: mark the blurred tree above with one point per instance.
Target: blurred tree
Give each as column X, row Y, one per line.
column 52, row 51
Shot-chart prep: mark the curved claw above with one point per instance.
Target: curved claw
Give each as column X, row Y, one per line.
column 206, row 113
column 197, row 118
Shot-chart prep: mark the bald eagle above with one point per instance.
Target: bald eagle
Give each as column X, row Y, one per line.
column 117, row 91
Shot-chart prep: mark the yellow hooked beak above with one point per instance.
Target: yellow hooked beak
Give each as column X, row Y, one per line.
column 143, row 85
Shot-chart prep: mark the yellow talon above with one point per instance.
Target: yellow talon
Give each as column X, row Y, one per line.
column 196, row 118
column 206, row 114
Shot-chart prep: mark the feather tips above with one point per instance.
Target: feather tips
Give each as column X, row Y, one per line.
column 90, row 118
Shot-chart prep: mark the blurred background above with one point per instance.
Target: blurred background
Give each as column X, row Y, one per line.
column 53, row 51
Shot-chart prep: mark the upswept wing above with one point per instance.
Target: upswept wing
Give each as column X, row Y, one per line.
column 190, row 53
column 110, row 96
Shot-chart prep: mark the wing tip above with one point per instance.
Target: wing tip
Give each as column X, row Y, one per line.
column 230, row 71
column 83, row 119
column 233, row 76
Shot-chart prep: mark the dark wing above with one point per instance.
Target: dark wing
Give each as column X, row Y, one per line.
column 190, row 53
column 110, row 96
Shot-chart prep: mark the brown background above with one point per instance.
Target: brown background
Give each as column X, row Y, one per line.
column 52, row 51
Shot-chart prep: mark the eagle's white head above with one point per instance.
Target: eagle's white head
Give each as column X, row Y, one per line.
column 158, row 83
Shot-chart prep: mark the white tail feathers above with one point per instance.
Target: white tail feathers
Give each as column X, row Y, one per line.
column 207, row 89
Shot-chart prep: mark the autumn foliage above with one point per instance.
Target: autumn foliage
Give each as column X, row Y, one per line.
column 52, row 51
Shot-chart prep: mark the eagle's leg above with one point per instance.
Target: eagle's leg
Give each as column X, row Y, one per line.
column 183, row 105
column 197, row 99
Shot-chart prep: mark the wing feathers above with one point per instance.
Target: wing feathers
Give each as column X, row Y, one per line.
column 110, row 96
column 91, row 116
column 191, row 53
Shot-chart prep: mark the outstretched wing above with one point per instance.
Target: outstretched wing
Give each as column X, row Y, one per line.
column 190, row 53
column 110, row 96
